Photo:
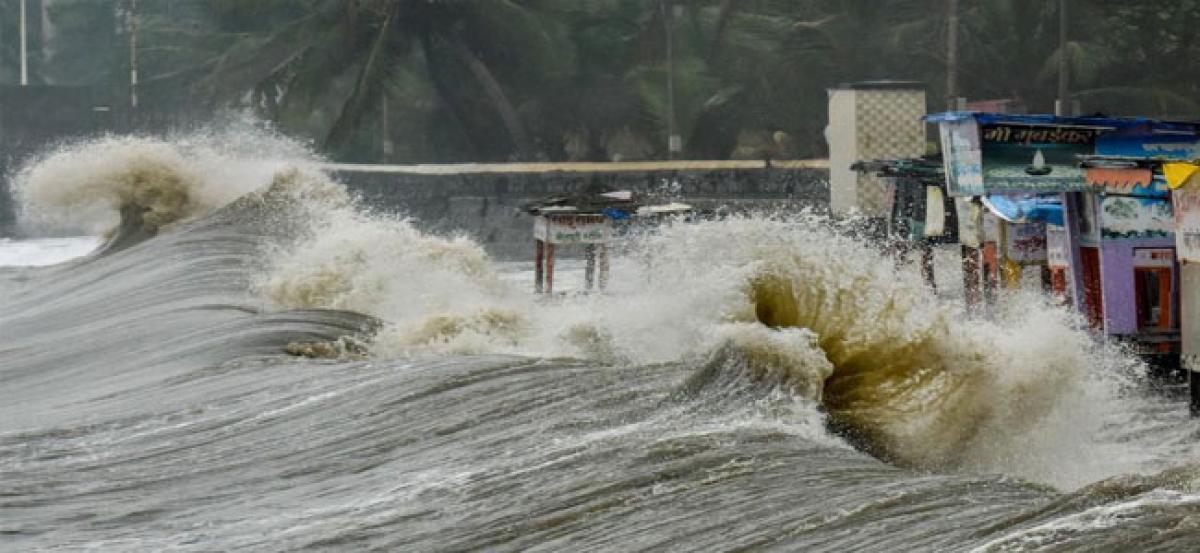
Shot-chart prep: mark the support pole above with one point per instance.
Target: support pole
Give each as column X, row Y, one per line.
column 24, row 48
column 970, row 270
column 539, row 255
column 589, row 270
column 133, row 55
column 1072, row 205
column 603, row 266
column 550, row 268
column 926, row 250
column 1194, row 388
column 1063, row 107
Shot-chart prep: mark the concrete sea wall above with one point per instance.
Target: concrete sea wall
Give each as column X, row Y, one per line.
column 485, row 200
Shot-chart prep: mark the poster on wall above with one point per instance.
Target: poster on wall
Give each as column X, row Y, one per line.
column 1021, row 158
column 1134, row 218
column 1026, row 242
column 1187, row 223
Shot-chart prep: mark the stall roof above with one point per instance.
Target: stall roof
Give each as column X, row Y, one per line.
column 926, row 169
column 624, row 201
column 1115, row 123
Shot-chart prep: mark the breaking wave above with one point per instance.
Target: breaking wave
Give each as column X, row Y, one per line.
column 128, row 188
column 795, row 304
column 251, row 328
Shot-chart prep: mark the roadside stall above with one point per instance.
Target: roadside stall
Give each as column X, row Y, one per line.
column 1109, row 240
column 586, row 221
column 1166, row 279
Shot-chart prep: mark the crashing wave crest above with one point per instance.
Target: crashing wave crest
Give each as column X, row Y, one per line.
column 128, row 188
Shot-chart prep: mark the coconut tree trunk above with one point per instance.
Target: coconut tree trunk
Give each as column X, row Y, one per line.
column 726, row 12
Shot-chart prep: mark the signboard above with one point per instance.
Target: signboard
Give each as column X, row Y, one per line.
column 1026, row 242
column 1057, row 255
column 962, row 157
column 1021, row 158
column 1123, row 217
column 1147, row 258
column 1159, row 145
column 1187, row 223
column 1004, row 158
column 572, row 229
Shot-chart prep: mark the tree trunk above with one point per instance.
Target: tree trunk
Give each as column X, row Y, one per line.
column 727, row 9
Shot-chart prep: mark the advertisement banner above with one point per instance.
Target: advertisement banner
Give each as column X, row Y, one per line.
column 1187, row 223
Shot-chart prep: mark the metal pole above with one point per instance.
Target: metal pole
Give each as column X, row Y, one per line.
column 549, row 268
column 133, row 59
column 589, row 269
column 24, row 49
column 952, row 53
column 674, row 143
column 1062, row 107
column 539, row 259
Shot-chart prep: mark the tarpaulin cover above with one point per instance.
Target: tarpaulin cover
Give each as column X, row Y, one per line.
column 1027, row 209
column 1178, row 174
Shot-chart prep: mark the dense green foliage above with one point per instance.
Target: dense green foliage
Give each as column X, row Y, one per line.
column 454, row 80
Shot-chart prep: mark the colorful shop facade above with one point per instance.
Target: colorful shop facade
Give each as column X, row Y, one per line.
column 1092, row 192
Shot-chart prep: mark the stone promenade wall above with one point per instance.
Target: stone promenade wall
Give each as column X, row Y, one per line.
column 485, row 200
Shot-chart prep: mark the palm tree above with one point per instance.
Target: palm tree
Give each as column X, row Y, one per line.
column 330, row 64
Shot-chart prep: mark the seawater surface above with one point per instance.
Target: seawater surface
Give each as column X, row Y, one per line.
column 251, row 360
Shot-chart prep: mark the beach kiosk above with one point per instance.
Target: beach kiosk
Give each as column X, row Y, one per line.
column 585, row 220
column 592, row 221
column 1111, row 246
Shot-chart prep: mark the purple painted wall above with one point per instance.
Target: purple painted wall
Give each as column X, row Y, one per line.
column 1116, row 272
